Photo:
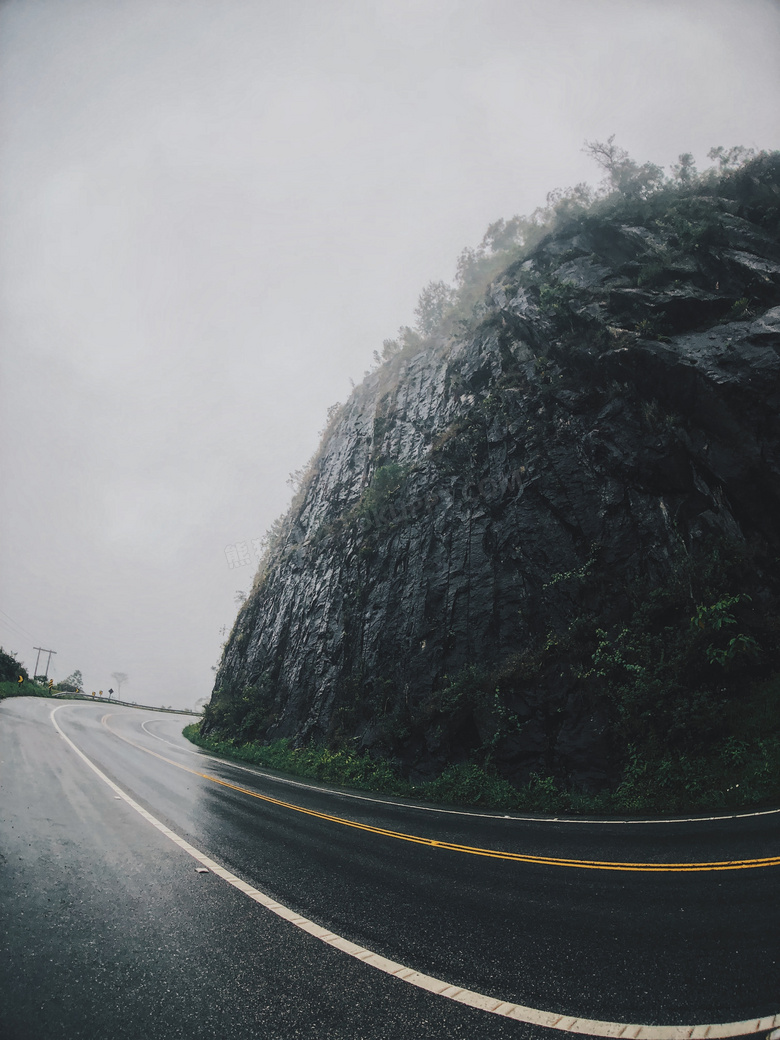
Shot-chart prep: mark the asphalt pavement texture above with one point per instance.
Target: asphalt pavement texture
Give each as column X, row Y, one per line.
column 109, row 930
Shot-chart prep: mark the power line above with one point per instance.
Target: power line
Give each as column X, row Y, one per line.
column 13, row 635
column 14, row 626
column 14, row 621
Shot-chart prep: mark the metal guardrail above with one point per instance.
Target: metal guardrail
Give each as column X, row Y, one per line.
column 124, row 704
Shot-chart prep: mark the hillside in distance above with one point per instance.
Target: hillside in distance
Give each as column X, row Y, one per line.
column 542, row 536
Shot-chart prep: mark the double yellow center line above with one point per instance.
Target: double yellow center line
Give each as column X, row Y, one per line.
column 516, row 857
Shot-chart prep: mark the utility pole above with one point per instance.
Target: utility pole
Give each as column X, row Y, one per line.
column 41, row 650
column 50, row 652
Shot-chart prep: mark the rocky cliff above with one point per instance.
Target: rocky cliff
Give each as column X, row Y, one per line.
column 527, row 536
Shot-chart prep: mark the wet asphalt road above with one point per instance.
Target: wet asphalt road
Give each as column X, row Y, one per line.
column 109, row 931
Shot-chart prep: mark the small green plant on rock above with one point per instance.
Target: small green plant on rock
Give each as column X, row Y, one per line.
column 714, row 619
column 385, row 482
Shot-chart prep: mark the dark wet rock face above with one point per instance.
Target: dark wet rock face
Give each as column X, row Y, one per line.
column 615, row 406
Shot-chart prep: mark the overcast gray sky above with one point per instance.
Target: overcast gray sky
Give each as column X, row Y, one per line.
column 212, row 212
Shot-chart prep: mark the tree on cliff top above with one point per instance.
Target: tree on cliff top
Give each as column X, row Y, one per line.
column 434, row 301
column 624, row 175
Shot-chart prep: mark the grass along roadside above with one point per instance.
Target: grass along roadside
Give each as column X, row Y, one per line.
column 28, row 688
column 739, row 776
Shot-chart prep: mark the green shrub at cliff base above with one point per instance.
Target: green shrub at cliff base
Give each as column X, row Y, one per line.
column 314, row 762
column 466, row 784
column 469, row 784
column 694, row 700
column 742, row 771
column 687, row 672
column 247, row 714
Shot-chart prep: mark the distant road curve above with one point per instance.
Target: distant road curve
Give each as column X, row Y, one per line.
column 471, row 908
column 124, row 704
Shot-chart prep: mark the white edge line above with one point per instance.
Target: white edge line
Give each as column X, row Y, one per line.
column 480, row 1001
column 453, row 812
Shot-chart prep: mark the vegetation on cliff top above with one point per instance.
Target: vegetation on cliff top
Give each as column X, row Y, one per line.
column 687, row 202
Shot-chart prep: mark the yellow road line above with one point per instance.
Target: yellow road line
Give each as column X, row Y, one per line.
column 517, row 857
